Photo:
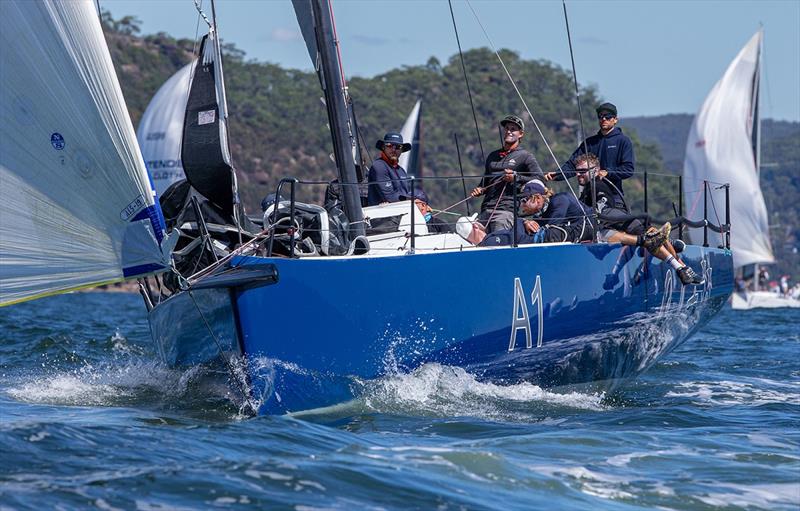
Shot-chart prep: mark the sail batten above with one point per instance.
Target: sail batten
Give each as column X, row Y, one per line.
column 76, row 205
column 720, row 150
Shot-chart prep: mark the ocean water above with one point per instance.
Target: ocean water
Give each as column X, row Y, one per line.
column 89, row 419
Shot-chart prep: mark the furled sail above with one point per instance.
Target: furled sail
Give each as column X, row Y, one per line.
column 76, row 204
column 161, row 130
column 720, row 149
column 411, row 132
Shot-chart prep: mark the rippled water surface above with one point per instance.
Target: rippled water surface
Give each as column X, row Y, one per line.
column 90, row 419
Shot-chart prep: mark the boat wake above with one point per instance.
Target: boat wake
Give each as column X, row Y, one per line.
column 435, row 390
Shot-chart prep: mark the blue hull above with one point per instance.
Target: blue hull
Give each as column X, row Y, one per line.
column 329, row 322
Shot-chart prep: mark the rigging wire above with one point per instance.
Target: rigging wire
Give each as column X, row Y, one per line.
column 580, row 117
column 466, row 79
column 524, row 103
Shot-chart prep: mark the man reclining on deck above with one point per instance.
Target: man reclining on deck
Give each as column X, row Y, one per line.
column 617, row 226
column 562, row 218
column 559, row 217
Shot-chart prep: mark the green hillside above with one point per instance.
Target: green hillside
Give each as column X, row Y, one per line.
column 279, row 125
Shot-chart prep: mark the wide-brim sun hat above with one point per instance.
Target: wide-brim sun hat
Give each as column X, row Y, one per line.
column 395, row 139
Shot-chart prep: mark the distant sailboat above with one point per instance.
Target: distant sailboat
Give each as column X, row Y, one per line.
column 724, row 147
column 77, row 208
column 161, row 129
column 411, row 131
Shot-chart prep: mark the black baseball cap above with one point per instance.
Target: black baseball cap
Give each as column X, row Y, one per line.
column 607, row 107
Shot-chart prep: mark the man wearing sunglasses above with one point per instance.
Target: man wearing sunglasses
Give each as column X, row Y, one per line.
column 612, row 147
column 388, row 181
column 505, row 169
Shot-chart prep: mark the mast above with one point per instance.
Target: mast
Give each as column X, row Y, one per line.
column 339, row 115
column 756, row 136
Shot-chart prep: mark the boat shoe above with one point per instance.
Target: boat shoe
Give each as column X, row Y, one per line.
column 688, row 276
column 654, row 238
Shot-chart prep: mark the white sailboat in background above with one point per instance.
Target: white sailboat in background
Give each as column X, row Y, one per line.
column 161, row 129
column 410, row 160
column 724, row 147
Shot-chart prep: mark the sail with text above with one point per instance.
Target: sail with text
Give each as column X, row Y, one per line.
column 161, row 130
column 77, row 208
column 412, row 130
column 723, row 148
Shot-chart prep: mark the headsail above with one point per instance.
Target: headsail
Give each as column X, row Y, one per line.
column 161, row 130
column 76, row 204
column 720, row 149
column 205, row 153
column 411, row 132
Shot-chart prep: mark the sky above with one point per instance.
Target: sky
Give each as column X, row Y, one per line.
column 649, row 57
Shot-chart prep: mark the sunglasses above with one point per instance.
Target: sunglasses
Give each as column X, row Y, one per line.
column 389, row 145
column 606, row 117
column 584, row 171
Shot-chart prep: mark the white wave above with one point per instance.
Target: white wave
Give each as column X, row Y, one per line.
column 593, row 483
column 620, row 460
column 105, row 384
column 451, row 391
column 765, row 496
column 727, row 393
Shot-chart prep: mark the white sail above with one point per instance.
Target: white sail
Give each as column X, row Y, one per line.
column 161, row 129
column 76, row 205
column 720, row 149
column 410, row 159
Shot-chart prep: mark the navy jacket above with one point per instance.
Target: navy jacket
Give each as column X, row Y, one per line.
column 563, row 208
column 615, row 152
column 386, row 183
column 518, row 160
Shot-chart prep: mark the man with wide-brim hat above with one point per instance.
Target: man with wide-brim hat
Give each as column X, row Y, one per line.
column 388, row 181
column 506, row 168
column 612, row 147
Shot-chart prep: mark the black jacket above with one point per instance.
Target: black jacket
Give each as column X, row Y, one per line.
column 615, row 152
column 518, row 160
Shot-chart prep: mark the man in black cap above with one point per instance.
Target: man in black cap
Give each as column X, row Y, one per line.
column 388, row 181
column 551, row 218
column 506, row 168
column 614, row 149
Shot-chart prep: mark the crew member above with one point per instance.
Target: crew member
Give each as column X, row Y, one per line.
column 612, row 147
column 559, row 217
column 388, row 181
column 617, row 227
column 505, row 169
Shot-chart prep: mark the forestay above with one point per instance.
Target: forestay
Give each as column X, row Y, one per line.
column 161, row 129
column 76, row 205
column 720, row 149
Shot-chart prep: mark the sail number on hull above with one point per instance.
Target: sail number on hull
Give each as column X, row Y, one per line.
column 523, row 321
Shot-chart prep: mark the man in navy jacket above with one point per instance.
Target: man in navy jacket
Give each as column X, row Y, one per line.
column 614, row 149
column 388, row 181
